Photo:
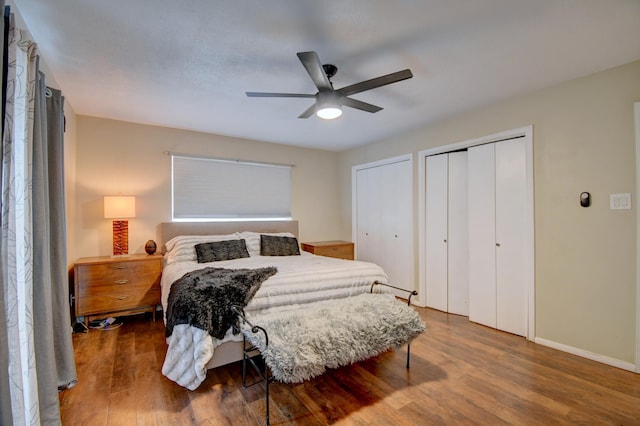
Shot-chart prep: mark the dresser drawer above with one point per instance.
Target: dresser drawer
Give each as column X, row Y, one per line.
column 119, row 282
column 338, row 249
column 117, row 301
column 116, row 270
column 341, row 251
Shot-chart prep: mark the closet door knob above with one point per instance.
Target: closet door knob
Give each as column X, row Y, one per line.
column 444, row 241
column 497, row 244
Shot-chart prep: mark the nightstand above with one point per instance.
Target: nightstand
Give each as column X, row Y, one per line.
column 339, row 249
column 117, row 286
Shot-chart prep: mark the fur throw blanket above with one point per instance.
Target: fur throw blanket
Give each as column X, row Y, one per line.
column 203, row 298
column 304, row 342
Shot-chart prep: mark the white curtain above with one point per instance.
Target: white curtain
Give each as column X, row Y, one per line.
column 16, row 227
column 31, row 358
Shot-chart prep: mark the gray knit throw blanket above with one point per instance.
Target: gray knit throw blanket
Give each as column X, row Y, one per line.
column 204, row 298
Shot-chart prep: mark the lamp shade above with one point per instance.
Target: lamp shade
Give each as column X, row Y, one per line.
column 119, row 207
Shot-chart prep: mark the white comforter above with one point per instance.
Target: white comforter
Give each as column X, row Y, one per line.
column 300, row 280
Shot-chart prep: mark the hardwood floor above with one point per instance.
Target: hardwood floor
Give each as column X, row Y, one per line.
column 461, row 373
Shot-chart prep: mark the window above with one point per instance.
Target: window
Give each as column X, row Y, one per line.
column 226, row 190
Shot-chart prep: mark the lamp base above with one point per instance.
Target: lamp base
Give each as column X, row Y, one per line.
column 120, row 238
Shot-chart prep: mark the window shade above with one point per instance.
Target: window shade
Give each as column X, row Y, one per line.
column 215, row 189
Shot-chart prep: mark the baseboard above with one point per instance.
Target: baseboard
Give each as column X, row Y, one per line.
column 586, row 354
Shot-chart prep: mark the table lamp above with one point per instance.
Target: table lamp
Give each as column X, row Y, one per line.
column 120, row 207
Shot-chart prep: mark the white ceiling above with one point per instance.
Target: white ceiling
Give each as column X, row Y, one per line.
column 187, row 64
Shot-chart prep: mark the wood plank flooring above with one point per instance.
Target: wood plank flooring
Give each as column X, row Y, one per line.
column 461, row 373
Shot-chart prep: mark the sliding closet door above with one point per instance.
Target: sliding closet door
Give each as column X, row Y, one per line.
column 436, row 214
column 482, row 235
column 511, row 216
column 457, row 236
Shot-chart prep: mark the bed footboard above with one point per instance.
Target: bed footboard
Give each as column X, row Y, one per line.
column 249, row 353
column 411, row 293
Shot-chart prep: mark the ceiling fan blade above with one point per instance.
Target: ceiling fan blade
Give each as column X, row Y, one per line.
column 375, row 82
column 309, row 112
column 278, row 95
column 354, row 103
column 312, row 64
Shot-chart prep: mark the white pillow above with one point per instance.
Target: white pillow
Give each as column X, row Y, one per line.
column 252, row 240
column 182, row 247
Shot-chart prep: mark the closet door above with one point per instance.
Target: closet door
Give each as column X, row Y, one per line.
column 384, row 214
column 457, row 236
column 511, row 182
column 497, row 223
column 482, row 232
column 370, row 211
column 446, row 262
column 363, row 216
column 397, row 225
column 436, row 212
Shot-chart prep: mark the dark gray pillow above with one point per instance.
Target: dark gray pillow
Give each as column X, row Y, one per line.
column 221, row 250
column 272, row 245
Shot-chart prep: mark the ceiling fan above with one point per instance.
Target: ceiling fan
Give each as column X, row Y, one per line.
column 329, row 101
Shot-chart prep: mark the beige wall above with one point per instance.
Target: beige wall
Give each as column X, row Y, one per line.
column 115, row 157
column 583, row 140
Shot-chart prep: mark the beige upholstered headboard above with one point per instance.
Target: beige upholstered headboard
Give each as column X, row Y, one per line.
column 168, row 230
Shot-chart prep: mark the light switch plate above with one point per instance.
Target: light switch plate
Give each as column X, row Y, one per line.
column 620, row 201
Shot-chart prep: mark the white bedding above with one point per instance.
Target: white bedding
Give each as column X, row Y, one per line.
column 300, row 280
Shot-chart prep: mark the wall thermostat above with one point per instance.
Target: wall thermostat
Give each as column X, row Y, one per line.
column 585, row 199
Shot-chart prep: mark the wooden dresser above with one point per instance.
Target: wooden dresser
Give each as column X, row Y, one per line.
column 339, row 249
column 117, row 286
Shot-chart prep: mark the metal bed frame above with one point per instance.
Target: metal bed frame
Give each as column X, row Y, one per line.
column 250, row 352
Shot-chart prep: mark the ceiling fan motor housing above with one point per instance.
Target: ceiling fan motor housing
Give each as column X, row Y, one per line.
column 330, row 70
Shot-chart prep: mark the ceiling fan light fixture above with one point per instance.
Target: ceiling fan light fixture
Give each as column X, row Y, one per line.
column 328, row 106
column 329, row 112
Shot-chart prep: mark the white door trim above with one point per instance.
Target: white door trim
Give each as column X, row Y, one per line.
column 637, row 131
column 526, row 133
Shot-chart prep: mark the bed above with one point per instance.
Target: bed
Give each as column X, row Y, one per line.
column 292, row 283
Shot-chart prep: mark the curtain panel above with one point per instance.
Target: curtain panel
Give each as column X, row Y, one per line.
column 5, row 392
column 32, row 242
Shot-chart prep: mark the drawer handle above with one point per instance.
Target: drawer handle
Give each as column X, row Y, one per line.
column 120, row 266
column 121, row 281
column 120, row 297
